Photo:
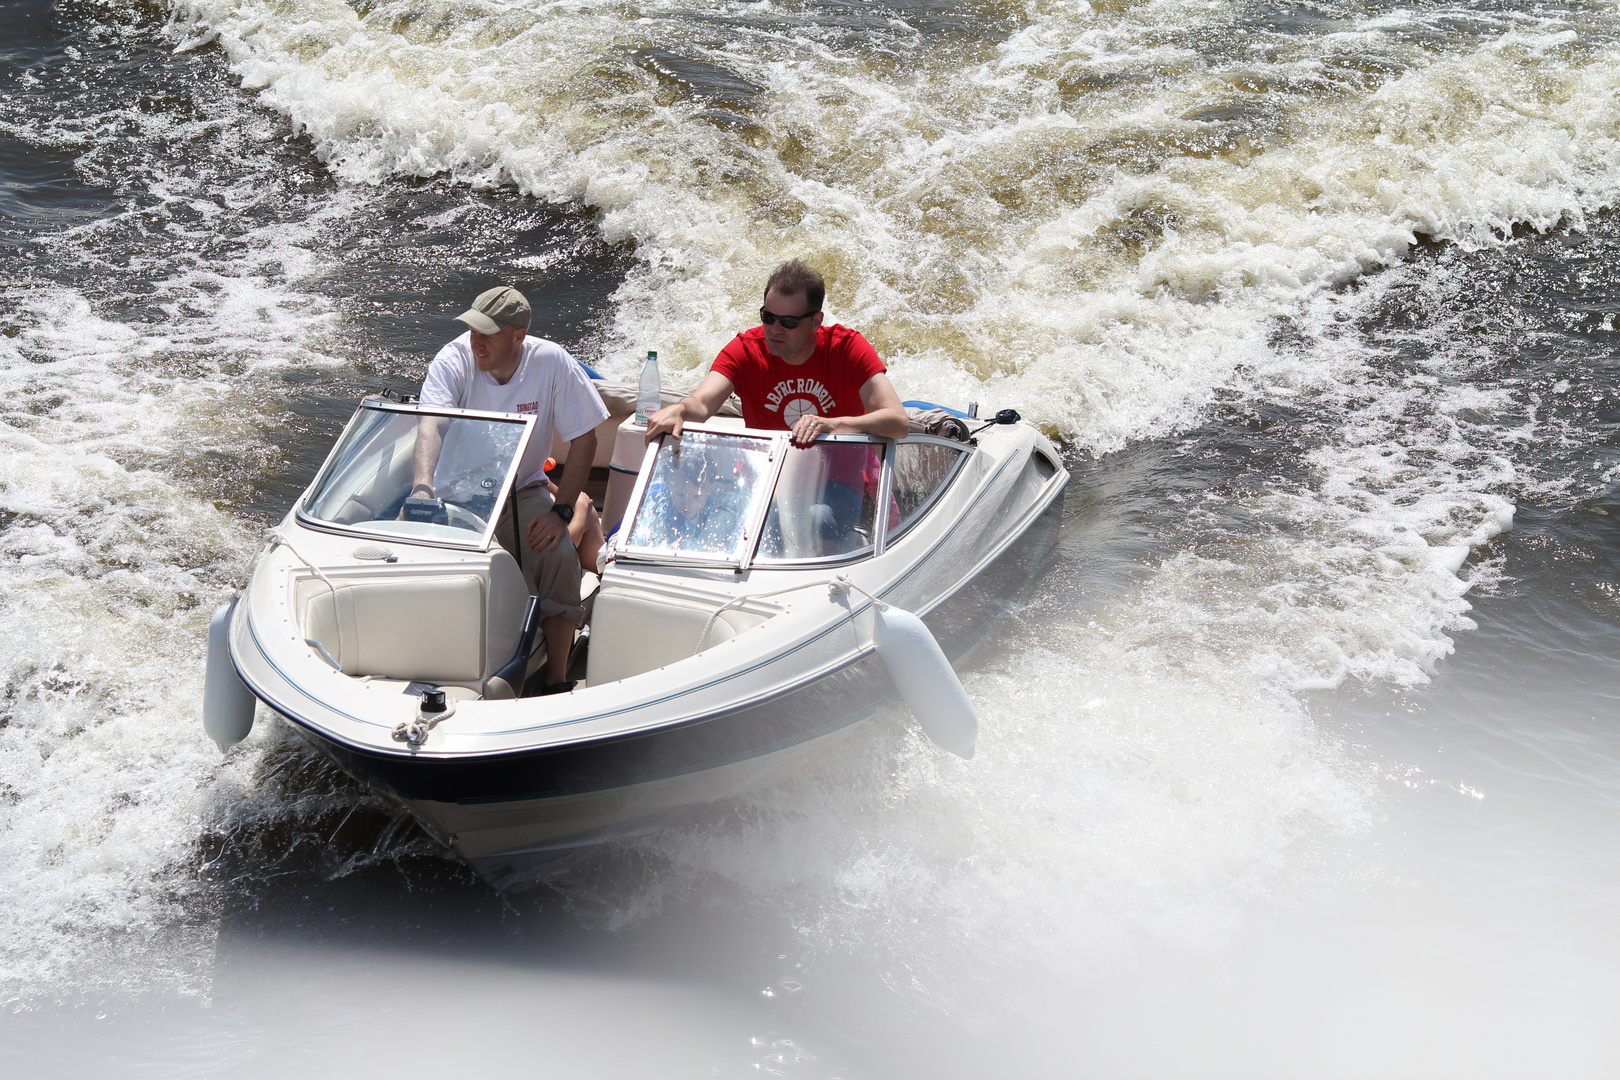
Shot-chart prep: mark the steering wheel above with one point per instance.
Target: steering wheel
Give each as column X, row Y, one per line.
column 462, row 518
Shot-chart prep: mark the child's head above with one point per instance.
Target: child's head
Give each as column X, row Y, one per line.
column 688, row 481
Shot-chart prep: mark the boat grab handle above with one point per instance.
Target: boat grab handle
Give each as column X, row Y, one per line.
column 276, row 536
column 318, row 647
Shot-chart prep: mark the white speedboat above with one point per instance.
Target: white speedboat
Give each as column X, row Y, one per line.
column 759, row 600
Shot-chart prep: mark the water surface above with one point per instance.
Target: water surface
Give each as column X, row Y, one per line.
column 1302, row 759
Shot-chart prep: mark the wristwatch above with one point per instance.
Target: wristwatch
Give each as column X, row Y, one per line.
column 564, row 512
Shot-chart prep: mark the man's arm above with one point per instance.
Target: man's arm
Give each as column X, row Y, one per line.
column 429, row 443
column 885, row 416
column 694, row 408
column 548, row 528
column 441, row 387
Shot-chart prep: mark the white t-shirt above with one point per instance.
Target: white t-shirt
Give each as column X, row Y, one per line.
column 548, row 384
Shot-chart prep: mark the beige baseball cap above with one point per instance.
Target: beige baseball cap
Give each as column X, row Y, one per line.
column 496, row 309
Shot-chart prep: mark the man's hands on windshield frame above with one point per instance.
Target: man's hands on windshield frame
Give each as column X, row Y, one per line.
column 667, row 421
column 808, row 427
column 885, row 416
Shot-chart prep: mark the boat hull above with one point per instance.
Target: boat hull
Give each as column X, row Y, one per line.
column 504, row 810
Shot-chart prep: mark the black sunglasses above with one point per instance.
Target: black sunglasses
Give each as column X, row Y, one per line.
column 789, row 322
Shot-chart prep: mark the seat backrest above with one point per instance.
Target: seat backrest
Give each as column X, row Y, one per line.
column 633, row 632
column 429, row 629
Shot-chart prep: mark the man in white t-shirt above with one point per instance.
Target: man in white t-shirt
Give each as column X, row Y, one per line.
column 497, row 367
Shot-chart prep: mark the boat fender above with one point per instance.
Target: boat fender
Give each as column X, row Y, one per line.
column 925, row 679
column 227, row 702
column 920, row 672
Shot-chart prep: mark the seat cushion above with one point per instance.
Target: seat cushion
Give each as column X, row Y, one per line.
column 427, row 629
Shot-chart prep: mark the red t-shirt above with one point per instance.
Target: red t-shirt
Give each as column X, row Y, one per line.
column 775, row 394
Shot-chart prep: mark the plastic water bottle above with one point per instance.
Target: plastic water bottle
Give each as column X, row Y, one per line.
column 650, row 395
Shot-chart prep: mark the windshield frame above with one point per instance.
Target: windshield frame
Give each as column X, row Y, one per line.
column 781, row 445
column 869, row 551
column 375, row 403
column 964, row 451
column 773, row 446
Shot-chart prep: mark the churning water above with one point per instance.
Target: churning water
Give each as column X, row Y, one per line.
column 1302, row 762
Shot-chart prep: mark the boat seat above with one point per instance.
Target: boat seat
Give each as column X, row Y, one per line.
column 355, row 509
column 434, row 625
column 428, row 629
column 633, row 631
column 393, row 473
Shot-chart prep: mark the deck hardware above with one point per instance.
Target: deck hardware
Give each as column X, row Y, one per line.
column 436, row 706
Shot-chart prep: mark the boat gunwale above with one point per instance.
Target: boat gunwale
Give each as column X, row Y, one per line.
column 1052, row 489
column 368, row 763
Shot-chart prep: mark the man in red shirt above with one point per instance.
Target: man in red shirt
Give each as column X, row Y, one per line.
column 794, row 374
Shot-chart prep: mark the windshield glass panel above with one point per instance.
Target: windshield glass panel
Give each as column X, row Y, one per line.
column 920, row 470
column 700, row 496
column 825, row 503
column 368, row 483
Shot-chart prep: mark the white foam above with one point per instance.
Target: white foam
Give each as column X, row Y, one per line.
column 1113, row 799
column 903, row 192
column 113, row 557
column 1145, row 769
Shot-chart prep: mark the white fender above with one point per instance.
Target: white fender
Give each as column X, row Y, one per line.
column 924, row 677
column 227, row 702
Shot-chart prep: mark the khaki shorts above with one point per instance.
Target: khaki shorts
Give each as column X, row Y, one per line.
column 552, row 575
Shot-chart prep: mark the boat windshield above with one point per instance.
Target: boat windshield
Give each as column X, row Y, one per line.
column 369, row 483
column 710, row 496
column 701, row 497
column 825, row 502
